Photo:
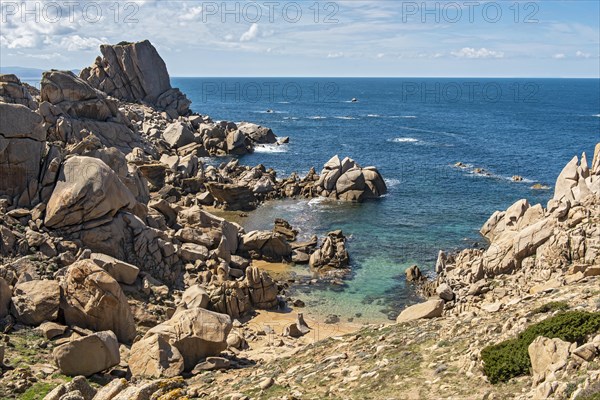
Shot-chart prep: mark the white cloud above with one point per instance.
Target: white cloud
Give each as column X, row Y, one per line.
column 191, row 13
column 250, row 34
column 582, row 54
column 469, row 52
column 559, row 56
column 81, row 43
column 369, row 31
column 19, row 42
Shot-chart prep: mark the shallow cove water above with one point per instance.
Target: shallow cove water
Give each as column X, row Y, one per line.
column 414, row 131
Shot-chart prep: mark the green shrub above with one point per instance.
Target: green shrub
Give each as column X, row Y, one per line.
column 595, row 396
column 591, row 393
column 510, row 358
column 551, row 307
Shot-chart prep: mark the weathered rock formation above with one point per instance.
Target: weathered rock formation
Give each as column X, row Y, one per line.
column 332, row 253
column 428, row 309
column 135, row 72
column 36, row 301
column 348, row 181
column 543, row 247
column 72, row 109
column 88, row 355
column 13, row 91
column 22, row 149
column 93, row 299
column 178, row 344
column 86, row 190
column 265, row 245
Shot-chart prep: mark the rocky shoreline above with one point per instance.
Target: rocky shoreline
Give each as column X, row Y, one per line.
column 114, row 271
column 107, row 246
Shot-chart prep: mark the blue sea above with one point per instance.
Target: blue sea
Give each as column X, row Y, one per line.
column 414, row 131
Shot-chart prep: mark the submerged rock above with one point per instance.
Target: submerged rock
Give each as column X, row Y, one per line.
column 413, row 274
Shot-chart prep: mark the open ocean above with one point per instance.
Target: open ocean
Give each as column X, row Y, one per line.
column 413, row 131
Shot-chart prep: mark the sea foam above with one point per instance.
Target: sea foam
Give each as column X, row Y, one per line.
column 404, row 140
column 271, row 148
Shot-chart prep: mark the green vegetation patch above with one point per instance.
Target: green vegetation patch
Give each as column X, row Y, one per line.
column 510, row 358
column 38, row 391
column 591, row 393
column 551, row 307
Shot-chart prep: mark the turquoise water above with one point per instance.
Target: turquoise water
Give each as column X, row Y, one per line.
column 414, row 131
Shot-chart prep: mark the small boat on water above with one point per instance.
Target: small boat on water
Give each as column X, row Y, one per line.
column 354, row 100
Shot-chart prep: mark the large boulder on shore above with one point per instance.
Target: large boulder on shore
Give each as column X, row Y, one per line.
column 5, row 294
column 178, row 344
column 547, row 356
column 72, row 109
column 13, row 91
column 178, row 135
column 577, row 181
column 238, row 143
column 64, row 86
column 256, row 133
column 135, row 72
column 265, row 245
column 36, row 301
column 261, row 288
column 22, row 147
column 332, row 252
column 126, row 237
column 87, row 189
column 120, row 270
column 428, row 309
column 92, row 299
column 233, row 196
column 348, row 181
column 88, row 355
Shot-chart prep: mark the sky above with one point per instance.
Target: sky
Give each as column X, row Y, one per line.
column 308, row 38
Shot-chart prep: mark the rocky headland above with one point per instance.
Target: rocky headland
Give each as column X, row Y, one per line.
column 110, row 252
column 118, row 281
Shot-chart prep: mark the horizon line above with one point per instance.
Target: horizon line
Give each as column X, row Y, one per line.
column 388, row 77
column 334, row 76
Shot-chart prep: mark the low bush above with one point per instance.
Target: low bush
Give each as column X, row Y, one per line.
column 551, row 307
column 510, row 358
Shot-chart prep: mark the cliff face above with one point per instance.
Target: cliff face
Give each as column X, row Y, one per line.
column 136, row 72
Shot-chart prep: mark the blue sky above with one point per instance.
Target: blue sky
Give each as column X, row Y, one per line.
column 345, row 38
